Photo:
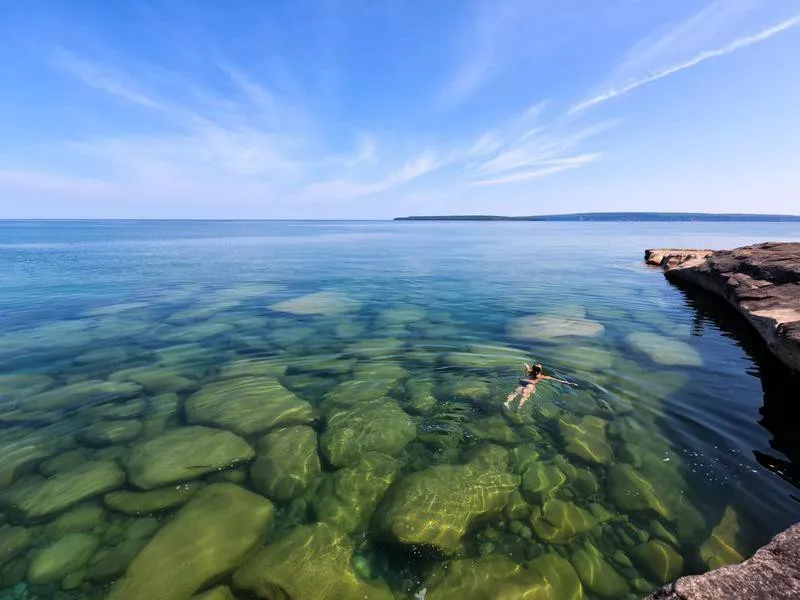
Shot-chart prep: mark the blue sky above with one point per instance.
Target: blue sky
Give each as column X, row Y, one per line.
column 382, row 108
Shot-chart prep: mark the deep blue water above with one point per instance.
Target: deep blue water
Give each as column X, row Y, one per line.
column 674, row 388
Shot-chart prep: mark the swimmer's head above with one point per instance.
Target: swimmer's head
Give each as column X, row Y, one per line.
column 535, row 370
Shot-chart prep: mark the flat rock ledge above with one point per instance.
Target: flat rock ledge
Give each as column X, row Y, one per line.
column 762, row 282
column 772, row 573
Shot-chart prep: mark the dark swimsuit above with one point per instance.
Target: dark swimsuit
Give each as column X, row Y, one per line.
column 525, row 382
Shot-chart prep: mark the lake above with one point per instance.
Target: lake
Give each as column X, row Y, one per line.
column 316, row 409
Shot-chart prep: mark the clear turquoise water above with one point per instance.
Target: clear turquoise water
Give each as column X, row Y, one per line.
column 662, row 439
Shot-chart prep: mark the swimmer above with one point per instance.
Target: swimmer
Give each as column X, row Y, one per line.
column 527, row 386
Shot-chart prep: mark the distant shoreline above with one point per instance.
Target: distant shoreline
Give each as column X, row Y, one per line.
column 619, row 216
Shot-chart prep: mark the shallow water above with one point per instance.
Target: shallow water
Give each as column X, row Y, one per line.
column 355, row 374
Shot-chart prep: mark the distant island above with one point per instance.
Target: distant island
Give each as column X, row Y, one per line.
column 617, row 216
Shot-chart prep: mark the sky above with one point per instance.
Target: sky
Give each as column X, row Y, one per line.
column 382, row 108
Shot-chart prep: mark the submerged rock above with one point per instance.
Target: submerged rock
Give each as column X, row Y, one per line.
column 585, row 438
column 558, row 521
column 22, row 385
column 583, row 358
column 418, row 397
column 286, row 462
column 597, row 575
column 110, row 563
column 630, row 491
column 665, row 350
column 549, row 577
column 61, row 558
column 720, row 548
column 494, row 429
column 320, row 303
column 437, row 505
column 35, row 497
column 541, row 481
column 311, row 562
column 13, row 541
column 658, row 560
column 375, row 348
column 355, row 392
column 80, row 518
column 376, row 426
column 183, row 454
column 247, row 406
column 205, row 540
column 108, row 433
column 83, row 394
column 22, row 451
column 156, row 379
column 221, row 592
column 251, row 367
column 347, row 498
column 117, row 410
column 145, row 503
column 553, row 327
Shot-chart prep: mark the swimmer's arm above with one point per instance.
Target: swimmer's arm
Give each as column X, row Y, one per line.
column 559, row 380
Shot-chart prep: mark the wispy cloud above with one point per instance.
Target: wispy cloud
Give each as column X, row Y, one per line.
column 557, row 166
column 657, row 47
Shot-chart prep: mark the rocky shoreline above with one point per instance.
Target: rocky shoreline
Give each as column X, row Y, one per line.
column 761, row 281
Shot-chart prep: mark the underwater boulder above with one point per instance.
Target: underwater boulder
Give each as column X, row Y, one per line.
column 664, row 350
column 630, row 491
column 558, row 521
column 585, row 438
column 220, row 592
column 418, row 397
column 156, row 379
column 286, row 462
column 319, row 303
column 597, row 575
column 83, row 394
column 109, row 433
column 251, row 367
column 436, row 506
column 153, row 501
column 553, row 327
column 720, row 549
column 375, row 426
column 346, row 498
column 310, row 563
column 35, row 497
column 81, row 518
column 659, row 560
column 185, row 453
column 207, row 538
column 494, row 428
column 540, row 481
column 13, row 541
column 247, row 406
column 64, row 556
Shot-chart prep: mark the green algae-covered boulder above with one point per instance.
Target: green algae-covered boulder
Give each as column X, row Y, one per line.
column 658, row 560
column 83, row 394
column 313, row 562
column 220, row 592
column 665, row 350
column 22, row 385
column 630, row 491
column 541, row 480
column 130, row 409
column 375, row 349
column 400, row 315
column 418, row 397
column 251, row 367
column 286, row 462
column 153, row 501
column 207, row 538
column 470, row 389
column 353, row 392
column 108, row 433
column 81, row 518
column 375, row 426
column 720, row 549
column 437, row 505
column 13, row 541
column 494, row 429
column 347, row 498
column 156, row 379
column 183, row 454
column 597, row 575
column 585, row 438
column 61, row 558
column 247, row 406
column 35, row 498
column 558, row 521
column 549, row 577
column 109, row 563
column 583, row 358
